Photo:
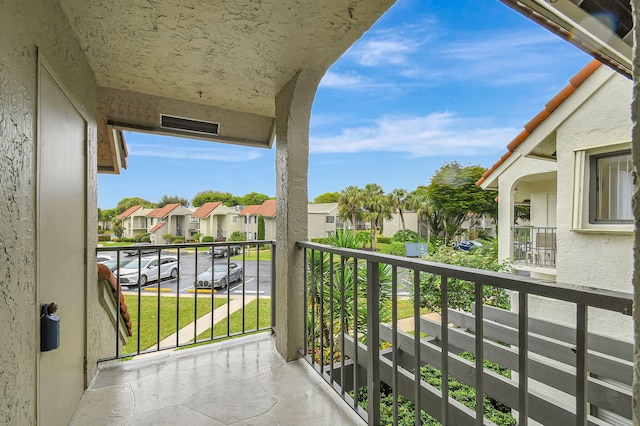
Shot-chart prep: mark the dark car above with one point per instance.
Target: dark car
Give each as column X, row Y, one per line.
column 467, row 245
column 224, row 251
column 136, row 248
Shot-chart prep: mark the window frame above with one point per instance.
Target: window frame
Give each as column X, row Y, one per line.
column 593, row 183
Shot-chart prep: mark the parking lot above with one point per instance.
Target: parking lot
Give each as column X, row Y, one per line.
column 257, row 274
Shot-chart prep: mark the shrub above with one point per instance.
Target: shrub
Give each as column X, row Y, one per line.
column 408, row 235
column 238, row 236
column 207, row 239
column 104, row 237
column 167, row 237
column 145, row 239
column 383, row 240
column 177, row 240
column 128, row 240
column 461, row 293
column 323, row 240
column 140, row 236
column 196, row 237
column 398, row 249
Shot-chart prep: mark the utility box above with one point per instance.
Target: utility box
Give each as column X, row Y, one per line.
column 416, row 249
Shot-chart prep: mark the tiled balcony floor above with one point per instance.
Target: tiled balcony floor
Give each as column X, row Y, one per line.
column 239, row 382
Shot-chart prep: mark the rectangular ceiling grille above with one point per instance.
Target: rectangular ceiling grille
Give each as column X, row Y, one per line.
column 188, row 125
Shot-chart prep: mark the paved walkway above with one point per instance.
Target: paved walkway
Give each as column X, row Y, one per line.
column 407, row 324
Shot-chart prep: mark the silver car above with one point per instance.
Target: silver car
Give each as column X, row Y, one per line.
column 149, row 267
column 220, row 275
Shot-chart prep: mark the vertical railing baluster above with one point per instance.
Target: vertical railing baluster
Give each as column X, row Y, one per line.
column 342, row 326
column 195, row 297
column 417, row 415
column 373, row 342
column 355, row 333
column 258, row 246
column 444, row 347
column 523, row 358
column 321, row 316
column 331, row 319
column 394, row 340
column 305, row 298
column 272, row 286
column 228, row 291
column 178, row 300
column 119, row 291
column 479, row 354
column 158, row 302
column 313, row 305
column 581, row 364
column 139, row 307
column 244, row 293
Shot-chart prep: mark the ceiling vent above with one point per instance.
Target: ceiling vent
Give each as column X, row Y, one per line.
column 188, row 125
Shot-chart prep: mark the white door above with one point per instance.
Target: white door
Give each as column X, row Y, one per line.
column 61, row 230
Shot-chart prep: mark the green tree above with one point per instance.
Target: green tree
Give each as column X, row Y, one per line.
column 105, row 216
column 126, row 203
column 376, row 209
column 261, row 230
column 399, row 199
column 454, row 193
column 327, row 197
column 253, row 199
column 426, row 212
column 349, row 205
column 227, row 198
column 118, row 230
column 237, row 236
column 173, row 199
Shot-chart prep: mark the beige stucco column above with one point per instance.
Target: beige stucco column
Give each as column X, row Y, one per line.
column 635, row 139
column 293, row 111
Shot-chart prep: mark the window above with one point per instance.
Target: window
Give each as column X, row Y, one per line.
column 610, row 188
column 330, row 219
column 255, row 219
column 245, row 219
column 235, row 218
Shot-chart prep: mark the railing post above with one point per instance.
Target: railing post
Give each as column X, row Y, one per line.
column 523, row 358
column 373, row 342
column 581, row 365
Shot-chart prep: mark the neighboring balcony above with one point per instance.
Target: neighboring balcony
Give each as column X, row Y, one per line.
column 495, row 358
column 535, row 246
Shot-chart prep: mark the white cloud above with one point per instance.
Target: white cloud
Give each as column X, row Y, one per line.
column 192, row 153
column 341, row 81
column 421, row 136
column 378, row 52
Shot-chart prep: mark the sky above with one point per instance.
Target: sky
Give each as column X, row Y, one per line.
column 431, row 82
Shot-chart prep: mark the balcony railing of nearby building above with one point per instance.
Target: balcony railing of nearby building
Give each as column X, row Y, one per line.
column 490, row 355
column 535, row 246
column 198, row 293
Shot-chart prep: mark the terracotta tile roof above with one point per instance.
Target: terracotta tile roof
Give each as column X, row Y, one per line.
column 163, row 211
column 156, row 227
column 128, row 212
column 206, row 209
column 104, row 273
column 549, row 107
column 266, row 209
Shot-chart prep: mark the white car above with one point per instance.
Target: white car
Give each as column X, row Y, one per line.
column 148, row 269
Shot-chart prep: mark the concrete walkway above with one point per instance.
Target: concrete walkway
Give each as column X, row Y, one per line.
column 407, row 325
column 203, row 323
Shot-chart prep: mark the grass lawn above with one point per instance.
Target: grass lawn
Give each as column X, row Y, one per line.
column 252, row 254
column 405, row 309
column 114, row 244
column 168, row 308
column 383, row 248
column 235, row 320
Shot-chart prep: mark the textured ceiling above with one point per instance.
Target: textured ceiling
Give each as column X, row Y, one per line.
column 233, row 54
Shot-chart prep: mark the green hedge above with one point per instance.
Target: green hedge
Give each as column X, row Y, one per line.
column 207, row 239
column 128, row 240
column 104, row 237
column 177, row 240
column 398, row 249
column 145, row 239
column 383, row 240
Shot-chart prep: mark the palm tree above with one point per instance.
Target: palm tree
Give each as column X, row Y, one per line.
column 374, row 202
column 399, row 200
column 420, row 202
column 349, row 204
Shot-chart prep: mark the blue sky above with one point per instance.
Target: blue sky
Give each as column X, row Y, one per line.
column 432, row 81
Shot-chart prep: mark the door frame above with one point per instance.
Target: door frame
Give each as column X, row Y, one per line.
column 44, row 66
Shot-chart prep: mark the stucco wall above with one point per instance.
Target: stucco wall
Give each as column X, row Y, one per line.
column 25, row 27
column 602, row 260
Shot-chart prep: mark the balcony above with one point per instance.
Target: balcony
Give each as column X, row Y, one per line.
column 586, row 377
column 534, row 246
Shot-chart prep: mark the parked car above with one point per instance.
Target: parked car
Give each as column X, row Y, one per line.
column 148, row 268
column 136, row 248
column 467, row 245
column 103, row 259
column 223, row 251
column 220, row 275
column 112, row 264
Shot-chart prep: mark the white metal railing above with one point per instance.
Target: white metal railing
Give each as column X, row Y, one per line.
column 535, row 246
